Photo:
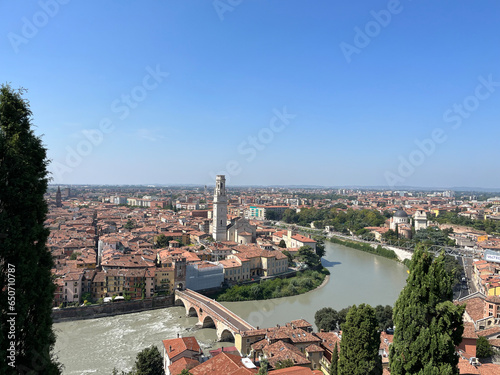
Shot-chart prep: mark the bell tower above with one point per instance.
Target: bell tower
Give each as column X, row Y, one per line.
column 58, row 197
column 219, row 223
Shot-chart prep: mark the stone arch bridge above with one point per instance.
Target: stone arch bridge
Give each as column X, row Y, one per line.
column 211, row 314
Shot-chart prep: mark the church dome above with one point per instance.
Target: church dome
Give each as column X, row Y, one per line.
column 400, row 213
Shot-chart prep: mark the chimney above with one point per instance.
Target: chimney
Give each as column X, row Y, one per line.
column 170, row 349
column 178, row 335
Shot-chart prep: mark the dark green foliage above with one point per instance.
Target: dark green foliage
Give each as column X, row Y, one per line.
column 334, row 363
column 264, row 366
column 428, row 325
column 23, row 237
column 148, row 362
column 390, row 235
column 282, row 244
column 320, row 246
column 454, row 268
column 379, row 250
column 433, row 236
column 338, row 219
column 284, row 364
column 326, row 319
column 290, row 258
column 308, row 256
column 185, row 372
column 272, row 215
column 129, row 224
column 343, row 316
column 483, row 348
column 490, row 226
column 384, row 317
column 162, row 241
column 360, row 343
column 74, row 255
column 275, row 288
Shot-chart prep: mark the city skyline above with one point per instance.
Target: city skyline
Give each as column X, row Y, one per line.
column 390, row 94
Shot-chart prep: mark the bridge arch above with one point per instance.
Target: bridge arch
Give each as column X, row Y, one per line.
column 208, row 322
column 211, row 314
column 226, row 335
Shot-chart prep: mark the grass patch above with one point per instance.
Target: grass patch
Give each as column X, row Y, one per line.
column 301, row 283
column 379, row 250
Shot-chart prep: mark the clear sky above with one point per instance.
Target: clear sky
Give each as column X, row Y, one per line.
column 332, row 93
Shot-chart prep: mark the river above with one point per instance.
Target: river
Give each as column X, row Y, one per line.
column 96, row 346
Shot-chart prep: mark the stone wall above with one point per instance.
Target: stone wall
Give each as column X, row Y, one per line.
column 111, row 308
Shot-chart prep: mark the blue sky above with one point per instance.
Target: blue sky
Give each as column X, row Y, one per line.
column 266, row 92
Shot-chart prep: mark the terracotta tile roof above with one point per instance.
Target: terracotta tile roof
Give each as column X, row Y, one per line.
column 475, row 308
column 259, row 345
column 302, row 238
column 280, row 351
column 314, row 348
column 296, row 370
column 489, row 331
column 301, row 323
column 469, row 331
column 295, row 335
column 224, row 363
column 489, row 369
column 244, row 371
column 181, row 364
column 495, row 342
column 174, row 347
column 225, row 349
column 328, row 340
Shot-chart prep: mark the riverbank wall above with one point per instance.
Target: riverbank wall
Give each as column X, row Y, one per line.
column 111, row 309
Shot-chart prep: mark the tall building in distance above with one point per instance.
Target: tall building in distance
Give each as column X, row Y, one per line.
column 219, row 223
column 58, row 197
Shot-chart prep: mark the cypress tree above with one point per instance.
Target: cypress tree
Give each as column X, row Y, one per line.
column 26, row 286
column 334, row 362
column 359, row 347
column 428, row 325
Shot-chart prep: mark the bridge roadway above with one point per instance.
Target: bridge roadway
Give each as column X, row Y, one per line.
column 216, row 310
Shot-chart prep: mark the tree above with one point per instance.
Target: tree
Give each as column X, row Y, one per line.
column 26, row 285
column 264, row 365
column 309, row 257
column 290, row 258
column 360, row 343
column 282, row 244
column 272, row 215
column 326, row 319
column 185, row 372
column 384, row 317
column 148, row 362
column 343, row 316
column 129, row 224
column 284, row 364
column 483, row 348
column 428, row 325
column 334, row 363
column 74, row 255
column 162, row 241
column 320, row 247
